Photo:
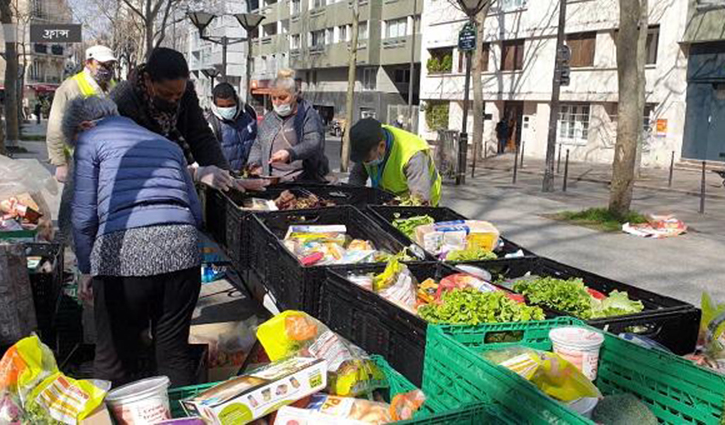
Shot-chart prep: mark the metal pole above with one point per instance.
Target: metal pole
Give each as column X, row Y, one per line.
column 522, row 154
column 702, row 189
column 548, row 184
column 225, row 41
column 249, row 69
column 672, row 169
column 558, row 161
column 566, row 170
column 516, row 163
column 463, row 140
column 411, row 126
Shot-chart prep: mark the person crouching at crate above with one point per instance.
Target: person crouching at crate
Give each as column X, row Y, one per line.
column 135, row 218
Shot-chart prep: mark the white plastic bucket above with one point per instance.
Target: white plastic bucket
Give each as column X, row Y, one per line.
column 579, row 346
column 141, row 402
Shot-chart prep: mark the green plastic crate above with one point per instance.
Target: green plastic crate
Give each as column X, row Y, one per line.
column 675, row 390
column 431, row 413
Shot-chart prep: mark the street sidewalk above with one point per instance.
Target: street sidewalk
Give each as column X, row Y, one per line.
column 685, row 181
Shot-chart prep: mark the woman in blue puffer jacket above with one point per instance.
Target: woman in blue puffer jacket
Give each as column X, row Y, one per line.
column 135, row 218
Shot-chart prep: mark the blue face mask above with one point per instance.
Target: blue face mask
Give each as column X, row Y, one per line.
column 226, row 113
column 375, row 162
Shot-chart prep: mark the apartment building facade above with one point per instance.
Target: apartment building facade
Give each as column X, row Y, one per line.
column 42, row 66
column 704, row 137
column 206, row 55
column 313, row 37
column 518, row 64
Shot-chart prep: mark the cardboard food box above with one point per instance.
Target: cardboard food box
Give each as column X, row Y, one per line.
column 457, row 235
column 263, row 391
column 100, row 416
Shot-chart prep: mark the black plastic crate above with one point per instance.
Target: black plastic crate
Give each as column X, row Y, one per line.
column 292, row 285
column 671, row 322
column 46, row 284
column 375, row 324
column 236, row 235
column 216, row 215
column 385, row 215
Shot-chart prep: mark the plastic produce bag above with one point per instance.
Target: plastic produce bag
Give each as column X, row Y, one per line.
column 550, row 373
column 32, row 390
column 17, row 177
column 350, row 370
column 711, row 337
column 397, row 285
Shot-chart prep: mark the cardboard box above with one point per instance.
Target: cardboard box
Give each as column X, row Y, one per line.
column 263, row 391
column 100, row 416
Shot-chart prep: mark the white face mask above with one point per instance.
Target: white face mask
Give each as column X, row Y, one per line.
column 226, row 113
column 283, row 110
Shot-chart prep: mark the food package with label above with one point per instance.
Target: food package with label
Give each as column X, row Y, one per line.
column 324, row 409
column 350, row 370
column 33, row 391
column 241, row 400
column 443, row 237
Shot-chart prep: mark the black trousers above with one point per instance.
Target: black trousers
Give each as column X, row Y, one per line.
column 125, row 306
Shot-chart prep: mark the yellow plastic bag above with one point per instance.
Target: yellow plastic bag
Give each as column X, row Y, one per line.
column 550, row 373
column 350, row 370
column 32, row 389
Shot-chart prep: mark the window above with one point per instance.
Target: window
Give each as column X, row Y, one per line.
column 317, row 38
column 270, row 30
column 484, row 58
column 512, row 55
column 511, row 5
column 396, row 28
column 296, row 7
column 653, row 39
column 369, row 78
column 402, row 76
column 582, row 49
column 362, row 33
column 284, row 27
column 574, row 124
column 344, row 34
column 40, row 48
column 441, row 61
column 295, row 42
column 317, row 3
column 329, row 36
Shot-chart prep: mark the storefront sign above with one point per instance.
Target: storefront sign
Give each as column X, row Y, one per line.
column 661, row 128
column 55, row 33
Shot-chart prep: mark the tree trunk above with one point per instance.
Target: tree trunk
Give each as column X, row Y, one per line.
column 478, row 107
column 629, row 124
column 642, row 61
column 11, row 76
column 350, row 101
column 2, row 134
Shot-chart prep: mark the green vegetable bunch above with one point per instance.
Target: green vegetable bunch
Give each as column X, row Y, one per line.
column 472, row 307
column 408, row 225
column 471, row 255
column 569, row 296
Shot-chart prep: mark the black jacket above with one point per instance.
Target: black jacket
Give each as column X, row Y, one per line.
column 191, row 122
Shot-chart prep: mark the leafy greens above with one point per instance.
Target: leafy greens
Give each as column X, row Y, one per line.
column 472, row 307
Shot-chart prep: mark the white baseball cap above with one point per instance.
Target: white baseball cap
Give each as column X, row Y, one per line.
column 101, row 54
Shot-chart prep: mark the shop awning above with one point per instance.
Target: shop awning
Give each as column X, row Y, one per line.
column 44, row 88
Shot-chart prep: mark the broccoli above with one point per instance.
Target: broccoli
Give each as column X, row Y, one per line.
column 623, row 409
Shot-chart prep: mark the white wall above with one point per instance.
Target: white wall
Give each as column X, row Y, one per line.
column 666, row 81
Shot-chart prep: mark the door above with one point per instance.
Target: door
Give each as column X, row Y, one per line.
column 514, row 114
column 716, row 128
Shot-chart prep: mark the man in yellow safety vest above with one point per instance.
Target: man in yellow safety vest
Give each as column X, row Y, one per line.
column 395, row 160
column 96, row 79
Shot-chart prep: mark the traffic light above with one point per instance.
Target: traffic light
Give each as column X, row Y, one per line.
column 562, row 65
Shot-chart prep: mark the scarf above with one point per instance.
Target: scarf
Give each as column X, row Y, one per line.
column 165, row 120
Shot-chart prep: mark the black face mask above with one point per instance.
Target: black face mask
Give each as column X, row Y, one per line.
column 165, row 106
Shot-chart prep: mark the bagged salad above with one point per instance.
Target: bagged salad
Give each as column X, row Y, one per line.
column 34, row 391
column 350, row 370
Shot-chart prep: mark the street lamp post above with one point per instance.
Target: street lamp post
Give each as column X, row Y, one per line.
column 211, row 74
column 471, row 8
column 249, row 21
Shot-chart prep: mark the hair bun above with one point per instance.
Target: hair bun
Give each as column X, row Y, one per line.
column 286, row 73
